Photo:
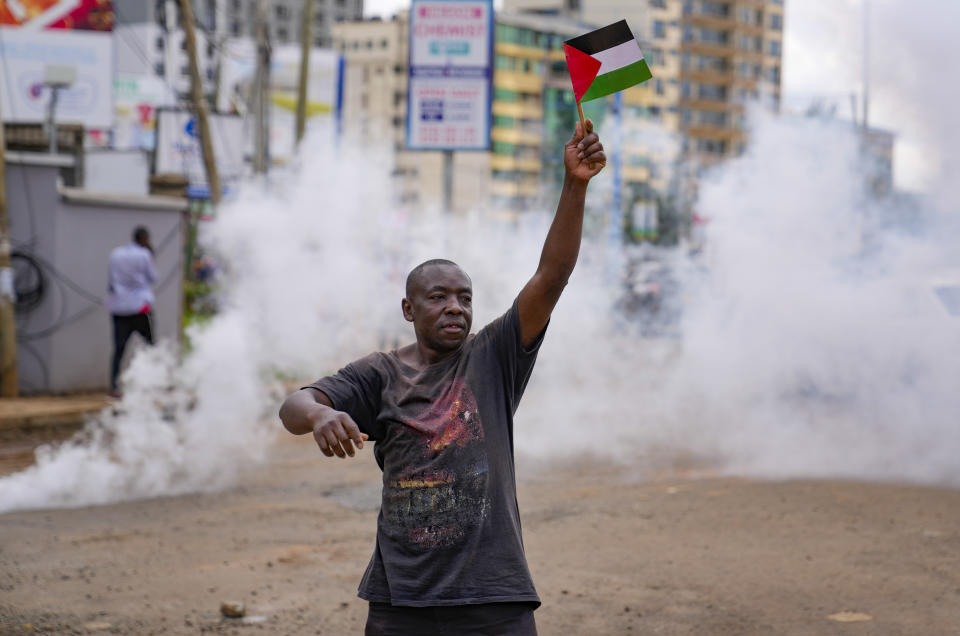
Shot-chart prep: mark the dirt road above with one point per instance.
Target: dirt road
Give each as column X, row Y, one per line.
column 609, row 555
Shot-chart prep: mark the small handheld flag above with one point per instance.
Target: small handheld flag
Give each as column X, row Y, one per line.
column 604, row 62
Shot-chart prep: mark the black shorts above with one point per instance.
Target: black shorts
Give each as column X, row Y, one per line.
column 487, row 619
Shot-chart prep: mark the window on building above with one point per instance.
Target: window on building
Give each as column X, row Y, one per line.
column 711, row 146
column 235, row 28
column 160, row 43
column 712, row 63
column 282, row 34
column 750, row 43
column 502, row 121
column 281, row 11
column 773, row 74
column 750, row 16
column 505, row 95
column 715, row 9
column 658, row 4
column 713, row 92
column 774, row 47
column 211, row 73
column 659, row 29
column 712, row 118
column 655, row 56
column 714, row 36
column 776, row 21
column 158, row 68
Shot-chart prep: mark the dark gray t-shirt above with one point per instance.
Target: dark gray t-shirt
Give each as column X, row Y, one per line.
column 448, row 532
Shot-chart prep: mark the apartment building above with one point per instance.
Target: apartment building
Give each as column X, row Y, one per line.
column 709, row 58
column 149, row 41
column 285, row 18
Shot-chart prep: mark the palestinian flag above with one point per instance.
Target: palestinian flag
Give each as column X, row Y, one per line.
column 605, row 61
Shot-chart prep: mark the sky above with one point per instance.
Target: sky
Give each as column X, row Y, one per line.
column 823, row 59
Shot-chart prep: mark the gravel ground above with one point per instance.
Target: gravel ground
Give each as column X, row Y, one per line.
column 609, row 554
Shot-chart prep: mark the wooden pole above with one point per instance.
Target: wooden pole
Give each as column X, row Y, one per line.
column 305, row 41
column 200, row 103
column 9, row 383
column 583, row 124
column 260, row 90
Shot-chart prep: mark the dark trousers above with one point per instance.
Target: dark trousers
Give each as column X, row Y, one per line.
column 488, row 619
column 123, row 328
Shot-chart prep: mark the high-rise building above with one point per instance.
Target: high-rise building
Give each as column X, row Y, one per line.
column 285, row 17
column 150, row 41
column 709, row 58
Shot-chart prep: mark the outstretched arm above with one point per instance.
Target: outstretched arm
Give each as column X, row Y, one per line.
column 583, row 158
column 309, row 410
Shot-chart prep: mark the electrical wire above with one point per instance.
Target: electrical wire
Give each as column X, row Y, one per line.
column 96, row 302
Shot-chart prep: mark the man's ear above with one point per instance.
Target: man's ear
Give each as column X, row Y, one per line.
column 407, row 310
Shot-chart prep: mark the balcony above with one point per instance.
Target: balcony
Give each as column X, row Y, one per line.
column 704, row 131
column 711, row 76
column 515, row 136
column 519, row 110
column 513, row 188
column 519, row 164
column 709, row 48
column 711, row 21
column 521, row 82
column 518, row 50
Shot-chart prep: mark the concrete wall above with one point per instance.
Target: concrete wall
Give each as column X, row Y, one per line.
column 65, row 342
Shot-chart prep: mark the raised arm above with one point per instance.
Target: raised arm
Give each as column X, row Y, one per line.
column 583, row 158
column 310, row 411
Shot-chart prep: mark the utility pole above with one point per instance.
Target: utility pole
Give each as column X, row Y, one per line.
column 200, row 103
column 305, row 41
column 9, row 384
column 261, row 90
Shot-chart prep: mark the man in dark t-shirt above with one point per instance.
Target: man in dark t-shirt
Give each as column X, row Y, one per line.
column 449, row 555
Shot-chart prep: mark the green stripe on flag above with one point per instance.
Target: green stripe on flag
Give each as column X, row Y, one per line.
column 618, row 80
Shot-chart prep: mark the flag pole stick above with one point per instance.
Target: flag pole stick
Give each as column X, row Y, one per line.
column 583, row 124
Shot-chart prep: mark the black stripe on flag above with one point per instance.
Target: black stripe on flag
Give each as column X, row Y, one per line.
column 602, row 39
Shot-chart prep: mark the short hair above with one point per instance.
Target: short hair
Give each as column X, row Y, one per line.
column 417, row 271
column 140, row 233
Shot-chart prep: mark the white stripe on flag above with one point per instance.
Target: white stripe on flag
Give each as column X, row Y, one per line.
column 618, row 56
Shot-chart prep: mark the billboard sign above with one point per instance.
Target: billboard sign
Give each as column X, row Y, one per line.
column 25, row 54
column 178, row 146
column 86, row 15
column 448, row 102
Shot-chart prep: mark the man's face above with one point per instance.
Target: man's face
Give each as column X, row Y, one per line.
column 440, row 306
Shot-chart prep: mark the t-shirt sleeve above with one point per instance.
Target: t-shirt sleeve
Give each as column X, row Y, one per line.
column 355, row 390
column 516, row 361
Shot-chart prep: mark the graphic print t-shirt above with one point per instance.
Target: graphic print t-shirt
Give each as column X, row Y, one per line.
column 448, row 532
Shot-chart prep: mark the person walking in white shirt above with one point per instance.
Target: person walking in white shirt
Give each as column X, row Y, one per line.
column 130, row 300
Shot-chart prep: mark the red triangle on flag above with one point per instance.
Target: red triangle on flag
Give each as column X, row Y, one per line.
column 583, row 69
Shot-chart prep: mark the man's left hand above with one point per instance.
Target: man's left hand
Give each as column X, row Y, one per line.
column 583, row 156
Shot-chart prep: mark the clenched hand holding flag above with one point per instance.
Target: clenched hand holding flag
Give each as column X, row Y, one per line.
column 604, row 61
